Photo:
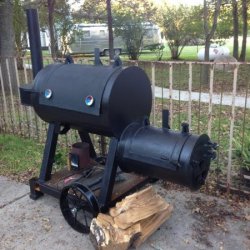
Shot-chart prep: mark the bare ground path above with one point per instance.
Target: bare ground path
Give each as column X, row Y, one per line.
column 225, row 99
column 199, row 221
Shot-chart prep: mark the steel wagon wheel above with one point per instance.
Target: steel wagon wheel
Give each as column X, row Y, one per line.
column 79, row 206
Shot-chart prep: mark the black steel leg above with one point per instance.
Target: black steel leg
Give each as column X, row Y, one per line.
column 49, row 152
column 108, row 180
column 34, row 193
column 86, row 138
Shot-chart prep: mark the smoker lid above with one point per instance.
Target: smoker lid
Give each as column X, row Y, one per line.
column 73, row 87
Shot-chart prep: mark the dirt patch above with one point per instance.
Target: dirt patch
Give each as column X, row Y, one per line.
column 210, row 217
column 22, row 177
column 216, row 220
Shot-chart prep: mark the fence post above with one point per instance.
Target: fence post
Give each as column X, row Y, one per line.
column 20, row 107
column 232, row 118
column 13, row 115
column 153, row 89
column 171, row 94
column 29, row 109
column 5, row 111
column 210, row 104
column 190, row 80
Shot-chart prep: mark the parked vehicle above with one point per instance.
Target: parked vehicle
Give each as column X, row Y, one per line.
column 44, row 38
column 87, row 37
column 215, row 51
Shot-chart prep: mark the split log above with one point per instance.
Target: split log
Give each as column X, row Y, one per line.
column 137, row 207
column 130, row 222
column 106, row 235
column 151, row 224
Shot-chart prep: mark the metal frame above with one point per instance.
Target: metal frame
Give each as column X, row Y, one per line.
column 49, row 152
column 40, row 186
column 108, row 180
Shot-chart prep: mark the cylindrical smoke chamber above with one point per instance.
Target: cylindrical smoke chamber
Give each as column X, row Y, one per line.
column 161, row 153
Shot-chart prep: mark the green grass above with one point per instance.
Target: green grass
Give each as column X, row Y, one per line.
column 223, row 80
column 22, row 157
column 18, row 155
column 189, row 53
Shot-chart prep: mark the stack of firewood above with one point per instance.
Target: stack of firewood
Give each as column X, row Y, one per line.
column 131, row 221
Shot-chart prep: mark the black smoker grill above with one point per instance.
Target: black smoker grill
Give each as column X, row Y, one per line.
column 116, row 102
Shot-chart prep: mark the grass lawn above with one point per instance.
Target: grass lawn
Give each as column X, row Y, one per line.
column 189, row 53
column 19, row 156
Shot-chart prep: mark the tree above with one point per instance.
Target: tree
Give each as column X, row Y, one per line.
column 236, row 29
column 209, row 31
column 92, row 11
column 55, row 16
column 244, row 39
column 110, row 28
column 7, row 44
column 53, row 41
column 180, row 25
column 63, row 26
column 20, row 29
column 224, row 28
column 130, row 21
column 7, row 38
column 132, row 33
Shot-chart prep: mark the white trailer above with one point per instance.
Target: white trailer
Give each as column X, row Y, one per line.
column 87, row 37
column 44, row 37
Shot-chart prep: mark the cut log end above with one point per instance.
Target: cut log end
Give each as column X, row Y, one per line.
column 130, row 222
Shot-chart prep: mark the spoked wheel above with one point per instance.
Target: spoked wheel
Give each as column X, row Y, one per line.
column 79, row 206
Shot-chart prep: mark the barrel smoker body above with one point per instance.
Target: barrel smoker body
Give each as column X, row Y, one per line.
column 116, row 102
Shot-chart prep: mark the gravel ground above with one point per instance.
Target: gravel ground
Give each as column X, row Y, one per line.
column 198, row 221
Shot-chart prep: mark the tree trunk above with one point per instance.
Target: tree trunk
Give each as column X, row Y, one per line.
column 7, row 46
column 205, row 67
column 209, row 35
column 53, row 43
column 110, row 28
column 236, row 29
column 20, row 31
column 244, row 39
